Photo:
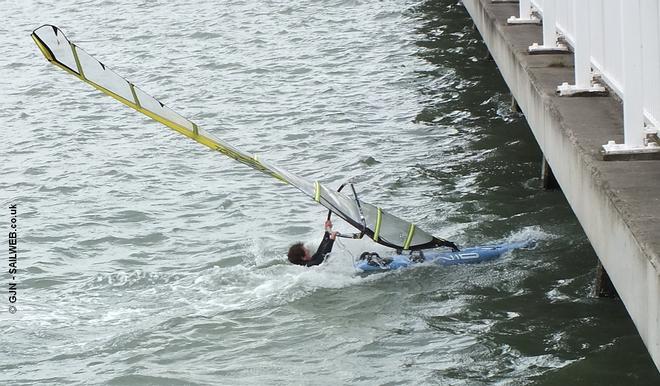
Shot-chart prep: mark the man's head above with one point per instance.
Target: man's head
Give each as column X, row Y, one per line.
column 298, row 254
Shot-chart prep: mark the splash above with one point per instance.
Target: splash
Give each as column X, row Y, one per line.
column 530, row 234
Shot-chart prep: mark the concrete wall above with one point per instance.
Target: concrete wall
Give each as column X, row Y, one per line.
column 616, row 202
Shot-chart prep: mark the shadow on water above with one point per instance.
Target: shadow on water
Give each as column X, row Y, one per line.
column 545, row 320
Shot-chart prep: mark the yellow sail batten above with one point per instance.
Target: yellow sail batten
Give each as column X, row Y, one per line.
column 75, row 56
column 411, row 233
column 135, row 97
column 379, row 219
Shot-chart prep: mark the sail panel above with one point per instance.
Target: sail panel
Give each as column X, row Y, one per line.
column 93, row 70
column 150, row 103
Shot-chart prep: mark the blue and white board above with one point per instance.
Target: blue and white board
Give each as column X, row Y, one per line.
column 465, row 256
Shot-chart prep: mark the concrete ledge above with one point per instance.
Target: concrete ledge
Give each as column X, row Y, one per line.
column 616, row 202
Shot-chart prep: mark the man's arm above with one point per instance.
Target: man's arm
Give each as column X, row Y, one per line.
column 325, row 247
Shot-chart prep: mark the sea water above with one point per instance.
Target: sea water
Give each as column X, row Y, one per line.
column 146, row 259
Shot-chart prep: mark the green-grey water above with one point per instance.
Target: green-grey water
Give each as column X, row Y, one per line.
column 145, row 259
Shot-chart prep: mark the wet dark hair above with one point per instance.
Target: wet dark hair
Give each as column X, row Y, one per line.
column 296, row 254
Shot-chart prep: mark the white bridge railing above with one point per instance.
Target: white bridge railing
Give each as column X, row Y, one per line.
column 616, row 41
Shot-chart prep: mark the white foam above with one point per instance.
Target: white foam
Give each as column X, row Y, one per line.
column 248, row 286
column 525, row 234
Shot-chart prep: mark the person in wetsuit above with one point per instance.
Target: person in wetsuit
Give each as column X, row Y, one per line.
column 300, row 255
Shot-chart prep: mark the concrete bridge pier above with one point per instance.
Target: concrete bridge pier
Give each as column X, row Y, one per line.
column 616, row 202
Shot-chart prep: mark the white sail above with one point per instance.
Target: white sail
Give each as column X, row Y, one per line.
column 382, row 227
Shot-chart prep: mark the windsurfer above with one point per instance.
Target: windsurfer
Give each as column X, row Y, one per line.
column 300, row 255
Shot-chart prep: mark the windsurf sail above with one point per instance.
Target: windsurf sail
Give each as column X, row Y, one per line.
column 371, row 220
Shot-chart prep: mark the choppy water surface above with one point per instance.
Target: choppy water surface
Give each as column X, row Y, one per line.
column 146, row 259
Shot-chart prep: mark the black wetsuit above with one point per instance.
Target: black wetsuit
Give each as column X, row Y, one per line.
column 321, row 253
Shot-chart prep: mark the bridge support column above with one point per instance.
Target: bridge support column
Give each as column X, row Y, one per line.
column 515, row 107
column 548, row 180
column 603, row 287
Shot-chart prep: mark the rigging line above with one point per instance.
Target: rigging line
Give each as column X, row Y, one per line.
column 357, row 201
column 350, row 254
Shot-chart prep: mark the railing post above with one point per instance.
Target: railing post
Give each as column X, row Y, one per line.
column 582, row 51
column 633, row 97
column 634, row 144
column 550, row 44
column 525, row 9
column 650, row 11
column 526, row 17
column 582, row 44
column 549, row 29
